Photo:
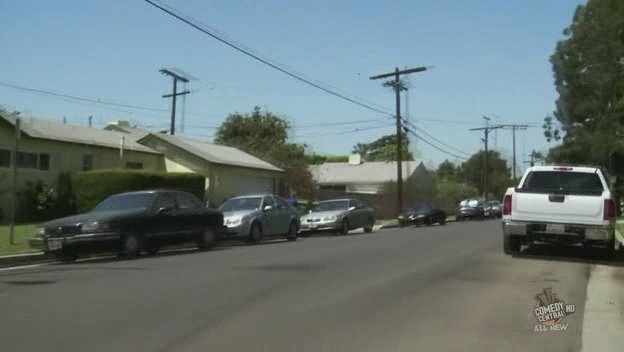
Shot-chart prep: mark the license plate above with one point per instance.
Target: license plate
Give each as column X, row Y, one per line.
column 313, row 226
column 555, row 228
column 55, row 244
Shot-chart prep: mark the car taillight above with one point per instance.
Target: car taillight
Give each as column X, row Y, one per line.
column 609, row 209
column 507, row 205
column 562, row 168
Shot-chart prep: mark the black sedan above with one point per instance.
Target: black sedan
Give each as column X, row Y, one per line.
column 470, row 209
column 130, row 223
column 422, row 213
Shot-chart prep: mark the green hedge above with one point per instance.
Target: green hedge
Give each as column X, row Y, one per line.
column 91, row 187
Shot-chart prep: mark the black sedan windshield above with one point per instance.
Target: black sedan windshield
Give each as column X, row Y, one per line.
column 332, row 205
column 234, row 204
column 419, row 207
column 126, row 202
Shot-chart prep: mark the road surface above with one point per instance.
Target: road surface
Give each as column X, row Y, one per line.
column 442, row 288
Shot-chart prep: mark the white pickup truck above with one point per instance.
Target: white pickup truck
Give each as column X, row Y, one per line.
column 560, row 204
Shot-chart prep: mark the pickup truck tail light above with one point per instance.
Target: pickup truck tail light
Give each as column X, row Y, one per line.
column 507, row 205
column 609, row 209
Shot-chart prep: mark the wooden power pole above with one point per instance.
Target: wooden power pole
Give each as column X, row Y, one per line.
column 174, row 95
column 398, row 87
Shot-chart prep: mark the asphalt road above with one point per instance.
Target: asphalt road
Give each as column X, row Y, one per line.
column 443, row 288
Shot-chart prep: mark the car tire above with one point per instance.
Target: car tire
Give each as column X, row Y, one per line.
column 511, row 244
column 428, row 222
column 130, row 246
column 442, row 222
column 610, row 250
column 255, row 233
column 152, row 250
column 208, row 238
column 344, row 228
column 293, row 231
column 403, row 223
column 369, row 226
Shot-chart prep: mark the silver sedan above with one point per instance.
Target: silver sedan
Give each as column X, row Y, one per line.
column 339, row 215
column 254, row 217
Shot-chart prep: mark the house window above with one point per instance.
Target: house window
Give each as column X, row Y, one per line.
column 27, row 160
column 44, row 161
column 134, row 165
column 87, row 162
column 5, row 158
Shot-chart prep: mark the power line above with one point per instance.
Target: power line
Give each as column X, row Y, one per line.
column 75, row 98
column 356, row 130
column 433, row 145
column 176, row 13
column 338, row 123
column 455, row 149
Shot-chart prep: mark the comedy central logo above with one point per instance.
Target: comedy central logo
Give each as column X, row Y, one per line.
column 550, row 311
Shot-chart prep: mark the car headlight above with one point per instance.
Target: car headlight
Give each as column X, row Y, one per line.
column 420, row 215
column 329, row 218
column 233, row 221
column 94, row 226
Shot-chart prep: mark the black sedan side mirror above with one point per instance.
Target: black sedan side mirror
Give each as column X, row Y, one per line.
column 164, row 210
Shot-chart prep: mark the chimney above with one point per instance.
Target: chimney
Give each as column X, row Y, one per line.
column 355, row 159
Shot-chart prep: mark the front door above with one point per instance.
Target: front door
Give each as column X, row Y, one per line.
column 283, row 217
column 189, row 216
column 165, row 224
column 269, row 216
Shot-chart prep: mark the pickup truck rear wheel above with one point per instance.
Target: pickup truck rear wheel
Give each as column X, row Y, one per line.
column 511, row 244
column 610, row 254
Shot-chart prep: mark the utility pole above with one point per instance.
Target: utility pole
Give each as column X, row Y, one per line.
column 398, row 87
column 14, row 188
column 513, row 128
column 486, row 131
column 174, row 95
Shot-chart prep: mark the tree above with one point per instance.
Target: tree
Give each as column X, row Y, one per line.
column 588, row 68
column 265, row 136
column 314, row 158
column 383, row 149
column 499, row 175
column 447, row 171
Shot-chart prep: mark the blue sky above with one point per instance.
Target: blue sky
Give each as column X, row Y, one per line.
column 490, row 57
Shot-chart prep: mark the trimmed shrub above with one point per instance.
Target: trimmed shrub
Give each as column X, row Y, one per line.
column 92, row 187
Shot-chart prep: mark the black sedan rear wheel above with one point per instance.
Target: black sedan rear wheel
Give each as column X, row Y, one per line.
column 130, row 245
column 207, row 239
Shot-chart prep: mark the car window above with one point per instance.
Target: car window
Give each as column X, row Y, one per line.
column 356, row 204
column 165, row 200
column 126, row 202
column 563, row 181
column 268, row 201
column 188, row 201
column 332, row 205
column 281, row 203
column 244, row 203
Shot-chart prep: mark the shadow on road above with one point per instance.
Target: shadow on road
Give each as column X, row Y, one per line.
column 574, row 254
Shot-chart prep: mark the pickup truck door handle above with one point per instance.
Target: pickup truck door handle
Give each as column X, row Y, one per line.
column 559, row 198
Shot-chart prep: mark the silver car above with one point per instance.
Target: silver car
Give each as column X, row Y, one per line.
column 339, row 215
column 254, row 217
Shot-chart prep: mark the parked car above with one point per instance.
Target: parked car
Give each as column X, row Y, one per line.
column 494, row 209
column 560, row 205
column 340, row 216
column 129, row 223
column 470, row 209
column 254, row 217
column 422, row 214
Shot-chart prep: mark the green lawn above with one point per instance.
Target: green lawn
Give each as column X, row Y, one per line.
column 22, row 234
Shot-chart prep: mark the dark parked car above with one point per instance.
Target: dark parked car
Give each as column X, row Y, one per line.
column 340, row 216
column 494, row 209
column 422, row 214
column 133, row 222
column 470, row 209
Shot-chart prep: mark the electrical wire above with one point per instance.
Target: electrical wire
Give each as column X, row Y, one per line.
column 319, row 85
column 357, row 130
column 454, row 149
column 435, row 146
column 338, row 123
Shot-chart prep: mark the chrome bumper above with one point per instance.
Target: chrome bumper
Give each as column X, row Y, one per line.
column 583, row 232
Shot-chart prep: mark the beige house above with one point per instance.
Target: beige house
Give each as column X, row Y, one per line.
column 47, row 148
column 229, row 171
column 364, row 177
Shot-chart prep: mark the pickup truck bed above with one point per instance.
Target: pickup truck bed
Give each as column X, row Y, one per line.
column 559, row 204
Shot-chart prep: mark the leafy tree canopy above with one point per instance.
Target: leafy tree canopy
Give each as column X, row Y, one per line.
column 383, row 149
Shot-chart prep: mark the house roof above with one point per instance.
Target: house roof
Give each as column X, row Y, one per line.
column 214, row 153
column 50, row 130
column 373, row 172
column 138, row 133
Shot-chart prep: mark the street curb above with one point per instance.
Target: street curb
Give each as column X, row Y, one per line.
column 28, row 258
